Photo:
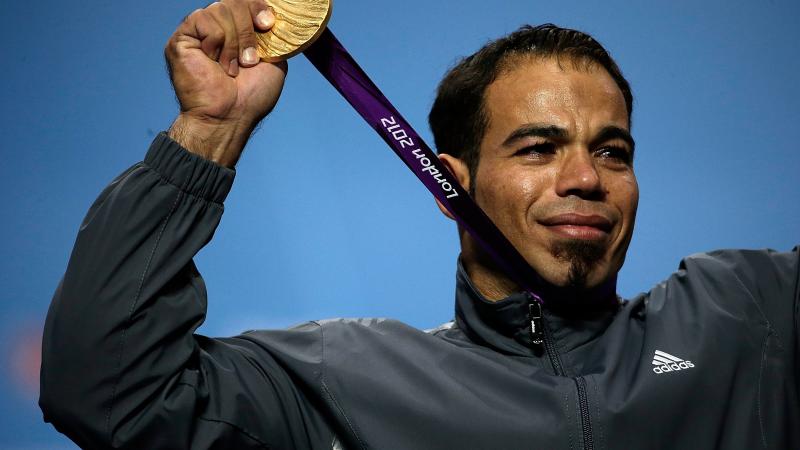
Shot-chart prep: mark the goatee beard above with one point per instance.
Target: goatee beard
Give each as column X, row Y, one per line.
column 582, row 256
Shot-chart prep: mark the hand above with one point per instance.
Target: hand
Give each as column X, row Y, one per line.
column 224, row 90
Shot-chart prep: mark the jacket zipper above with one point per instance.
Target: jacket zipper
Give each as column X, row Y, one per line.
column 537, row 323
column 540, row 337
column 586, row 424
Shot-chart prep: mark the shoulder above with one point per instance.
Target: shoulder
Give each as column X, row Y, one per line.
column 763, row 272
column 342, row 326
column 381, row 325
column 371, row 332
column 441, row 328
column 360, row 323
column 739, row 283
column 365, row 329
column 723, row 276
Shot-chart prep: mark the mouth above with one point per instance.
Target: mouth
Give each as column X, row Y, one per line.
column 579, row 226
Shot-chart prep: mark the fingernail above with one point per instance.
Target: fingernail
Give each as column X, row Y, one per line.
column 265, row 18
column 233, row 67
column 249, row 55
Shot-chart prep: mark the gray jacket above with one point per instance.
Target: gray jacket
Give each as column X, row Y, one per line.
column 706, row 359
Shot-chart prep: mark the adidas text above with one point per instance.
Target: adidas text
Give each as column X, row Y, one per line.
column 673, row 367
column 664, row 362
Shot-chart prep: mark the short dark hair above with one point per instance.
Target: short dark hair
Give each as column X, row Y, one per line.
column 458, row 118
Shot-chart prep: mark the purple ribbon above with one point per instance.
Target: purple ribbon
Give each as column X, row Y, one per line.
column 342, row 71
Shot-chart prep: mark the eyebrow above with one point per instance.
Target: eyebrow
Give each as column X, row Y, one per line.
column 545, row 131
column 607, row 133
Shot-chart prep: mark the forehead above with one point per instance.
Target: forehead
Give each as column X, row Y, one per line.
column 577, row 97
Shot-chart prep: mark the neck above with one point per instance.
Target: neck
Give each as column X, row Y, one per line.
column 494, row 285
column 490, row 282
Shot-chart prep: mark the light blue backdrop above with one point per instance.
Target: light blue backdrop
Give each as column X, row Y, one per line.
column 323, row 219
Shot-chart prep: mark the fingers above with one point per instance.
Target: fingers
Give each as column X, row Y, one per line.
column 245, row 36
column 248, row 14
column 202, row 31
column 225, row 32
column 229, row 55
column 263, row 15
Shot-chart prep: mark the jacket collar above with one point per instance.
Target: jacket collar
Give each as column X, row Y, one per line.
column 504, row 325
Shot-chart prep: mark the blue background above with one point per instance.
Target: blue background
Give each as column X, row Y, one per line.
column 323, row 219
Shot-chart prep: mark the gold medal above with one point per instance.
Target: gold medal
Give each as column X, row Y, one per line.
column 298, row 23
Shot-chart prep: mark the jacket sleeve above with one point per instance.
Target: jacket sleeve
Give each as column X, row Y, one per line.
column 121, row 365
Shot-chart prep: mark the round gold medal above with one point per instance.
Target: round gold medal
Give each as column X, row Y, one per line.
column 298, row 23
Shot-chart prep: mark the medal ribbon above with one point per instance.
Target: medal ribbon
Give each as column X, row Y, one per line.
column 342, row 71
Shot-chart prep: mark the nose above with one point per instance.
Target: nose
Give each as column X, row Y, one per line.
column 578, row 176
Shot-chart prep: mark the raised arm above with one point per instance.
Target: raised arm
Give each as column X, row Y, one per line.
column 121, row 365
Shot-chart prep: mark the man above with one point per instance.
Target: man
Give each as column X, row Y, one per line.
column 536, row 125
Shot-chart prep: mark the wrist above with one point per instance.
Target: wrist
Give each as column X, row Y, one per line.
column 217, row 141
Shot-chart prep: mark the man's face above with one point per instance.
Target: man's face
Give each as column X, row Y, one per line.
column 556, row 169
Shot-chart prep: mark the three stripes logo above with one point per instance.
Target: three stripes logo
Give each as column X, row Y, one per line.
column 664, row 362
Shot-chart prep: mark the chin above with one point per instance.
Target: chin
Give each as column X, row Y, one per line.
column 579, row 272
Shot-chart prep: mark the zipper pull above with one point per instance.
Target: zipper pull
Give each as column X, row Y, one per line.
column 537, row 323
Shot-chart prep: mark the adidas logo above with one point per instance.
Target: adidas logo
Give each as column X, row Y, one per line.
column 664, row 362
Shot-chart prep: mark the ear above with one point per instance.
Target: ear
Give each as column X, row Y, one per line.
column 458, row 168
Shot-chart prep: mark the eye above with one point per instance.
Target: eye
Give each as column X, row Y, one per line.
column 615, row 154
column 537, row 150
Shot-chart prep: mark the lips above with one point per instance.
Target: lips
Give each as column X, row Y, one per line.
column 579, row 226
